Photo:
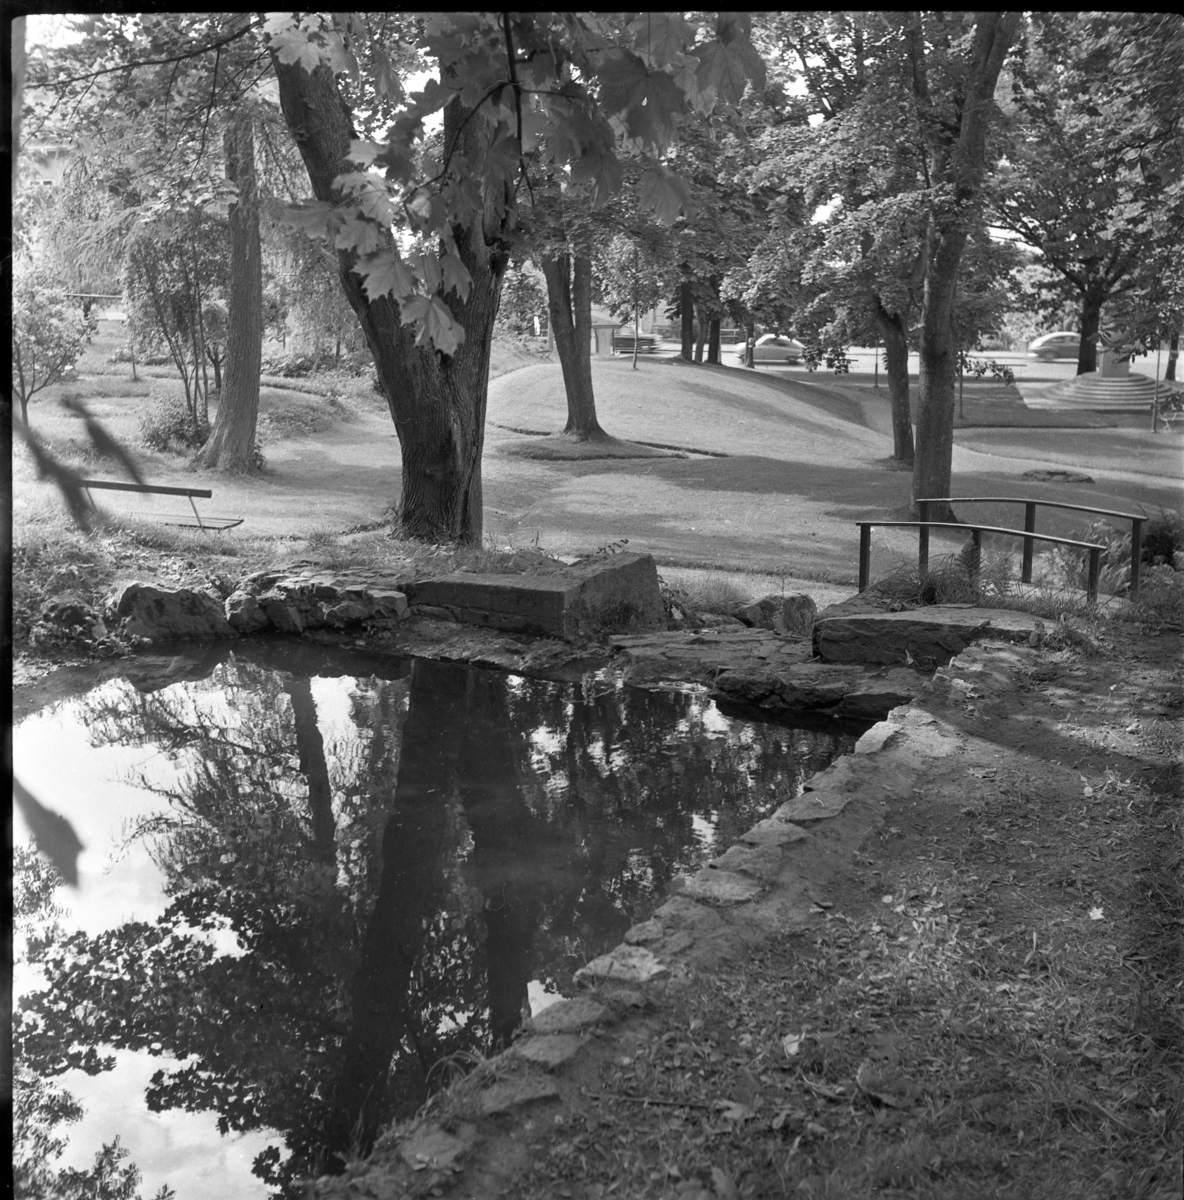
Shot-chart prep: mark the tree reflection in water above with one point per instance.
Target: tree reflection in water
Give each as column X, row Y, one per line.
column 390, row 894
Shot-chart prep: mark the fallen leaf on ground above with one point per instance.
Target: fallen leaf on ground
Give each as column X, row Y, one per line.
column 882, row 1085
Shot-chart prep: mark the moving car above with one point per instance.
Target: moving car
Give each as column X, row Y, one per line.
column 773, row 348
column 1049, row 346
column 623, row 342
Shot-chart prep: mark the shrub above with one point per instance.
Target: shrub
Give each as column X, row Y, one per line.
column 1161, row 595
column 296, row 365
column 1163, row 538
column 166, row 424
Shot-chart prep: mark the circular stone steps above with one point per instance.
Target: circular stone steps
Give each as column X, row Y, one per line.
column 1101, row 393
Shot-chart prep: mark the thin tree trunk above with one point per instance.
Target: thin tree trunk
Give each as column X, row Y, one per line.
column 231, row 445
column 310, row 747
column 687, row 311
column 713, row 341
column 636, row 314
column 569, row 306
column 436, row 401
column 1173, row 353
column 896, row 364
column 199, row 344
column 175, row 344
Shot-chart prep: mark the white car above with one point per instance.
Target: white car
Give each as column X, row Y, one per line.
column 773, row 348
column 1049, row 346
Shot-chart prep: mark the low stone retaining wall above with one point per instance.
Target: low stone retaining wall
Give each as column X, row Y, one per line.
column 619, row 592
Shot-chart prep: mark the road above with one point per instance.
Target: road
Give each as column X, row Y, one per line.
column 1027, row 370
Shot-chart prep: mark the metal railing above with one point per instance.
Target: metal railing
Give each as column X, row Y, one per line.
column 1030, row 506
column 976, row 533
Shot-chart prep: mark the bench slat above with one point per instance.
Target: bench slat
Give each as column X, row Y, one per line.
column 147, row 488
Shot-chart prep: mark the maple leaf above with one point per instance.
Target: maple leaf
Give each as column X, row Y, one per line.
column 53, row 834
column 647, row 102
column 386, row 78
column 456, row 275
column 363, row 152
column 293, row 46
column 340, row 58
column 660, row 36
column 725, row 69
column 361, row 236
column 311, row 217
column 384, row 274
column 440, row 329
column 663, row 191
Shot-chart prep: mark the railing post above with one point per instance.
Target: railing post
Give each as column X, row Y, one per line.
column 1029, row 527
column 1091, row 584
column 1136, row 554
column 865, row 554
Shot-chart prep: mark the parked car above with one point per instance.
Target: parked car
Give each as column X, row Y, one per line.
column 623, row 343
column 1049, row 346
column 773, row 348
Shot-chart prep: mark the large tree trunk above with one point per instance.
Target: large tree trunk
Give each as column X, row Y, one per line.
column 437, row 401
column 1173, row 354
column 569, row 305
column 700, row 331
column 231, row 444
column 893, row 329
column 957, row 164
column 1092, row 300
column 687, row 315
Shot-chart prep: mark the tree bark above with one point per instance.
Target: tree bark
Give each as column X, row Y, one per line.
column 436, row 401
column 958, row 163
column 231, row 444
column 569, row 306
column 700, row 331
column 310, row 749
column 713, row 341
column 1092, row 300
column 892, row 328
column 1173, row 354
column 686, row 303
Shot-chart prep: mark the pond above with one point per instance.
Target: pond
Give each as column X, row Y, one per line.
column 316, row 883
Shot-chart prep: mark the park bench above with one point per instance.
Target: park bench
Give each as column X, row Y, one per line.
column 197, row 521
column 1028, row 534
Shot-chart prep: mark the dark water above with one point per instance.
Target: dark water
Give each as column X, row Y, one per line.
column 370, row 871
